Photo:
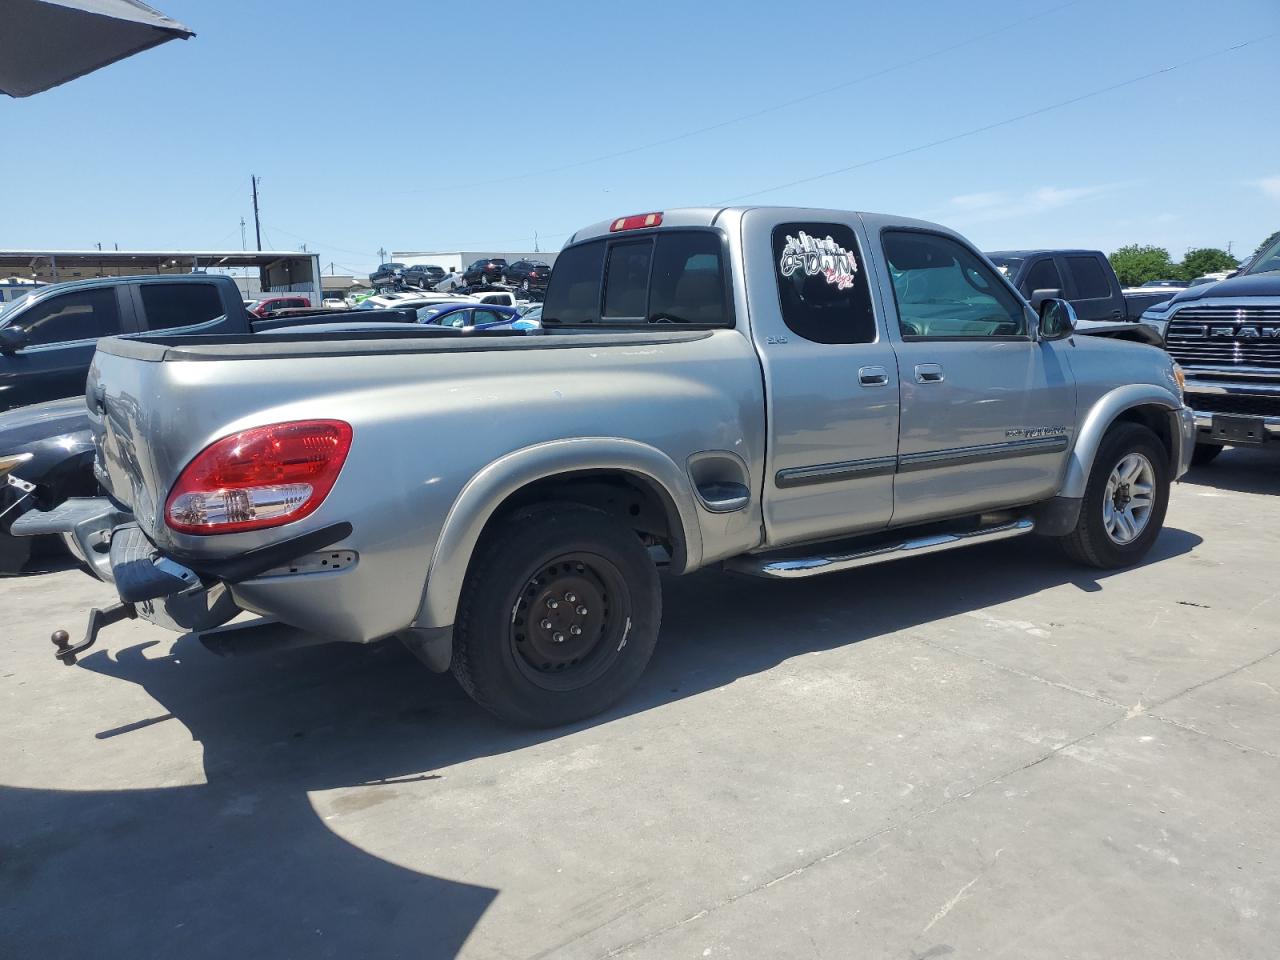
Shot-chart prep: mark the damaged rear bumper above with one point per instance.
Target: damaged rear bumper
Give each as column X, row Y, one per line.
column 184, row 594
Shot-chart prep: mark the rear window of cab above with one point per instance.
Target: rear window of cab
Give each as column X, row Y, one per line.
column 670, row 276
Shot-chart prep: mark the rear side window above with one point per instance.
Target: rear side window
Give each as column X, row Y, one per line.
column 1043, row 275
column 822, row 287
column 180, row 304
column 1091, row 282
column 82, row 315
column 675, row 276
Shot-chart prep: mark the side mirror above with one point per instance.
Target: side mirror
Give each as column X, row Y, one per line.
column 1038, row 297
column 12, row 339
column 1057, row 319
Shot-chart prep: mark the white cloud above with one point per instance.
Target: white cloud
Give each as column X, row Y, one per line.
column 1004, row 205
column 1268, row 185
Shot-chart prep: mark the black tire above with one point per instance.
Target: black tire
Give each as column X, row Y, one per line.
column 603, row 584
column 1089, row 542
column 1205, row 453
column 14, row 553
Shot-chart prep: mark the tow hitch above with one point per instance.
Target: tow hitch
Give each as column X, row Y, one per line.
column 67, row 651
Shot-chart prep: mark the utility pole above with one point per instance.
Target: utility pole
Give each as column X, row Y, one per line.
column 257, row 223
column 382, row 255
column 535, row 242
column 242, row 233
column 99, row 247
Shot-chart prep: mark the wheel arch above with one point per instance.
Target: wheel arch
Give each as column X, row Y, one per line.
column 595, row 471
column 1146, row 404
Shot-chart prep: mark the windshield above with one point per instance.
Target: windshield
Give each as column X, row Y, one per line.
column 7, row 308
column 1007, row 265
column 1268, row 261
column 426, row 313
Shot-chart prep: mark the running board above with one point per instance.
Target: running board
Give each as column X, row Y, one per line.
column 796, row 567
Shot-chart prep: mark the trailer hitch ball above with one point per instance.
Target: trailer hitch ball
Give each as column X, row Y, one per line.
column 62, row 640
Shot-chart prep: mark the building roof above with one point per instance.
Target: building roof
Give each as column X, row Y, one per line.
column 117, row 259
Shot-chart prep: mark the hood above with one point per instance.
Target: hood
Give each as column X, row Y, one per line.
column 1257, row 285
column 24, row 426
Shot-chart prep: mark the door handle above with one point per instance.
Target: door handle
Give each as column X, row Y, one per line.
column 873, row 376
column 929, row 373
column 1117, row 314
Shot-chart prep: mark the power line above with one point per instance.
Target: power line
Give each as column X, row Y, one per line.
column 1005, row 122
column 741, row 118
column 316, row 243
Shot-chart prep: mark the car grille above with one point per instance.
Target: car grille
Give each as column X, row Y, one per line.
column 1248, row 406
column 1226, row 336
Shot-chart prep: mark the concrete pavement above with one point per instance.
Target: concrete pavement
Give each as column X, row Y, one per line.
column 984, row 753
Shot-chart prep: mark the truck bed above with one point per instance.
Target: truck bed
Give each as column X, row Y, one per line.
column 430, row 413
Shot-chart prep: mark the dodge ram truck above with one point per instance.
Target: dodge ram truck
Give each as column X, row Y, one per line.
column 776, row 392
column 1227, row 337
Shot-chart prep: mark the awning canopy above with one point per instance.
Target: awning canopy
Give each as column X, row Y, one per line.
column 47, row 42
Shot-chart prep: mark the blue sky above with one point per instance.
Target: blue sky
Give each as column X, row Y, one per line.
column 371, row 126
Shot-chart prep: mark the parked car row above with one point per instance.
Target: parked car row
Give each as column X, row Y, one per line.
column 525, row 275
column 827, row 391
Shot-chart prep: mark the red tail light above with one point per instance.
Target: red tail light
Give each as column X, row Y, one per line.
column 263, row 477
column 637, row 222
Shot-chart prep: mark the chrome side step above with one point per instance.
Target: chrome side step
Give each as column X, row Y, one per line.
column 796, row 567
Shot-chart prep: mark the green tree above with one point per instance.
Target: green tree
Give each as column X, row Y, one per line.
column 1136, row 264
column 1204, row 260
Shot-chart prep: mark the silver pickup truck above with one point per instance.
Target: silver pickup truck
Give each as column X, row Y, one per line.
column 777, row 392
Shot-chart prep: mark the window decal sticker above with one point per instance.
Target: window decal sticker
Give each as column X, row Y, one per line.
column 816, row 257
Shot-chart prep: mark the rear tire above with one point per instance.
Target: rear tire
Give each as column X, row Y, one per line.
column 14, row 553
column 558, row 617
column 1113, row 530
column 1205, row 453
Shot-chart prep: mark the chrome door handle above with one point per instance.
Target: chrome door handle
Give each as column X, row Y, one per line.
column 929, row 373
column 873, row 376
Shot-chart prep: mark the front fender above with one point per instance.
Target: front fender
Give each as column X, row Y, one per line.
column 1100, row 417
column 487, row 490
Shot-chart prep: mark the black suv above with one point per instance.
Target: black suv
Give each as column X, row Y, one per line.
column 387, row 275
column 424, row 275
column 528, row 274
column 488, row 270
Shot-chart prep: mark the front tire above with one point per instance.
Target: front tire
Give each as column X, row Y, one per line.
column 1125, row 500
column 1205, row 453
column 558, row 617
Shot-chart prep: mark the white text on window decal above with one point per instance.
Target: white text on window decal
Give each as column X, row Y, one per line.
column 836, row 264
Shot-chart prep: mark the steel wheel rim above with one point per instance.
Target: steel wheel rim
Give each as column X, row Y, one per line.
column 542, row 640
column 1129, row 499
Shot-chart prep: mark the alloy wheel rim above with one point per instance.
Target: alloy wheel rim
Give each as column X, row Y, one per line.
column 1129, row 499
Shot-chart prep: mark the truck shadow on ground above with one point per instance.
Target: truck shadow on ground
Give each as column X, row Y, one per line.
column 1240, row 470
column 243, row 865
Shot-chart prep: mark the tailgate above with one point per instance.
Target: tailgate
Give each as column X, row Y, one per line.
column 121, row 395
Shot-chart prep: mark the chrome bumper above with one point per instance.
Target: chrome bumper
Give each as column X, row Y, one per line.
column 1204, row 424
